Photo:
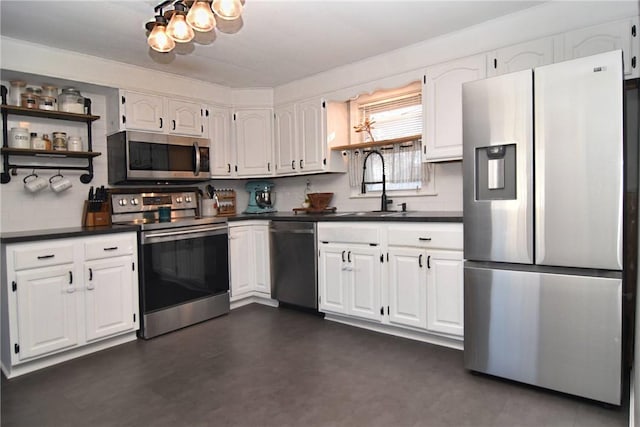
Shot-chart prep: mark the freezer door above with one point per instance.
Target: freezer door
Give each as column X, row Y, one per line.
column 557, row 331
column 578, row 162
column 498, row 168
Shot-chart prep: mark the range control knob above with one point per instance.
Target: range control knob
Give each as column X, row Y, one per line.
column 178, row 199
column 187, row 199
column 134, row 202
column 122, row 202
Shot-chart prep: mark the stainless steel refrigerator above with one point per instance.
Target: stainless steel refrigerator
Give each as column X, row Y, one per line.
column 543, row 226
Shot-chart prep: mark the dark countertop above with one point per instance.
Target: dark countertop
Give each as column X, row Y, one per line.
column 409, row 216
column 61, row 233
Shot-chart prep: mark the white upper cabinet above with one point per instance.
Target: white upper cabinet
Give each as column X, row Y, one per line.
column 603, row 38
column 442, row 106
column 219, row 126
column 285, row 139
column 146, row 112
column 142, row 112
column 311, row 122
column 522, row 56
column 254, row 142
column 185, row 118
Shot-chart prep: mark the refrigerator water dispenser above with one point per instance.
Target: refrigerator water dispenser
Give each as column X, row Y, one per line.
column 496, row 172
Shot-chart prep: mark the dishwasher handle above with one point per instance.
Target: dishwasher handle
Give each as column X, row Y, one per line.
column 292, row 231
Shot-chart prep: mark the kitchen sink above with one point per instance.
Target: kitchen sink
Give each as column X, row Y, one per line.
column 369, row 213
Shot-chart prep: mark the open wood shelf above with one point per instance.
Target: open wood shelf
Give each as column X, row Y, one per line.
column 49, row 153
column 377, row 143
column 48, row 114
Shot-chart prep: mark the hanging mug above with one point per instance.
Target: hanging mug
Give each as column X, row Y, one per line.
column 33, row 183
column 59, row 183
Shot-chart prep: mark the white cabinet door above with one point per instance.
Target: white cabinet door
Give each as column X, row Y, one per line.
column 442, row 106
column 604, row 38
column 143, row 112
column 109, row 297
column 285, row 140
column 220, row 137
column 312, row 128
column 185, row 118
column 261, row 265
column 47, row 309
column 445, row 288
column 365, row 269
column 522, row 56
column 407, row 287
column 241, row 260
column 253, row 134
column 333, row 279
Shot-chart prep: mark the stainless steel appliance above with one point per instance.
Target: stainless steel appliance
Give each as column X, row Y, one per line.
column 136, row 157
column 184, row 274
column 543, row 226
column 294, row 269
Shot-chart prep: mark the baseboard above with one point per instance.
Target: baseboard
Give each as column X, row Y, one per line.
column 253, row 298
column 455, row 343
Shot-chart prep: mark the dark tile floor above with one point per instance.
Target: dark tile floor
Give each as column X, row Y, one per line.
column 260, row 366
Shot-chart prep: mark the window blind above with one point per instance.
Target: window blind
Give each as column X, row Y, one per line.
column 394, row 118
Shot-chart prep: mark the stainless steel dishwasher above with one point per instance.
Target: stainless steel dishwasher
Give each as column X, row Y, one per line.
column 294, row 268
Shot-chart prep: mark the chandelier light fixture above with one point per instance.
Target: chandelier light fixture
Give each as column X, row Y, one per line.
column 177, row 25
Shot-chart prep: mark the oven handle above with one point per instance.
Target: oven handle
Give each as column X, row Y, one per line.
column 196, row 172
column 149, row 238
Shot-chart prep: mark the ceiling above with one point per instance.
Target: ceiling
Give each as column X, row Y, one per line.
column 278, row 41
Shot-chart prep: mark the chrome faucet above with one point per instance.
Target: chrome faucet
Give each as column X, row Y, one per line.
column 383, row 202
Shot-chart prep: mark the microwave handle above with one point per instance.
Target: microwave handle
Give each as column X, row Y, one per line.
column 196, row 172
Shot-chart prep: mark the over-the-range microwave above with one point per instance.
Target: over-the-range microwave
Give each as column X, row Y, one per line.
column 143, row 157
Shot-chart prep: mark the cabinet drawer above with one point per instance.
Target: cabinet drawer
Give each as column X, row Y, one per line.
column 349, row 233
column 442, row 236
column 107, row 247
column 42, row 255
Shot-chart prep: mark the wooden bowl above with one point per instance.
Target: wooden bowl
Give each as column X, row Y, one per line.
column 320, row 200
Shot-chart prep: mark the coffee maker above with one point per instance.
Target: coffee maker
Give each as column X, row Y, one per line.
column 261, row 197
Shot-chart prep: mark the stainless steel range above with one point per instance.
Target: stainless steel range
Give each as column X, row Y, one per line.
column 184, row 278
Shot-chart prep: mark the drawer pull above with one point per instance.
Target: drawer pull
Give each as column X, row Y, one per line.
column 45, row 256
column 424, row 239
column 112, row 248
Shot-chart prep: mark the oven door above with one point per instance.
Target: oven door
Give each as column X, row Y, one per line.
column 183, row 265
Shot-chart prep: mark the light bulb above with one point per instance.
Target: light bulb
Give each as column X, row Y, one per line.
column 200, row 16
column 179, row 30
column 227, row 9
column 159, row 40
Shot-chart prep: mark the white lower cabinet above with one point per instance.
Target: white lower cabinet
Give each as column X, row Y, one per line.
column 445, row 287
column 109, row 300
column 407, row 287
column 249, row 260
column 349, row 280
column 408, row 276
column 47, row 311
column 63, row 298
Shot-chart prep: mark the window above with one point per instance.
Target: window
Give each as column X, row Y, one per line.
column 395, row 114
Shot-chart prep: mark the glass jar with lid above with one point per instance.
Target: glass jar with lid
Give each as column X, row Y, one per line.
column 71, row 101
column 49, row 98
column 16, row 88
column 30, row 98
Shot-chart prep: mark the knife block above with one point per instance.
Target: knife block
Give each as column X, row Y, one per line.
column 95, row 214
